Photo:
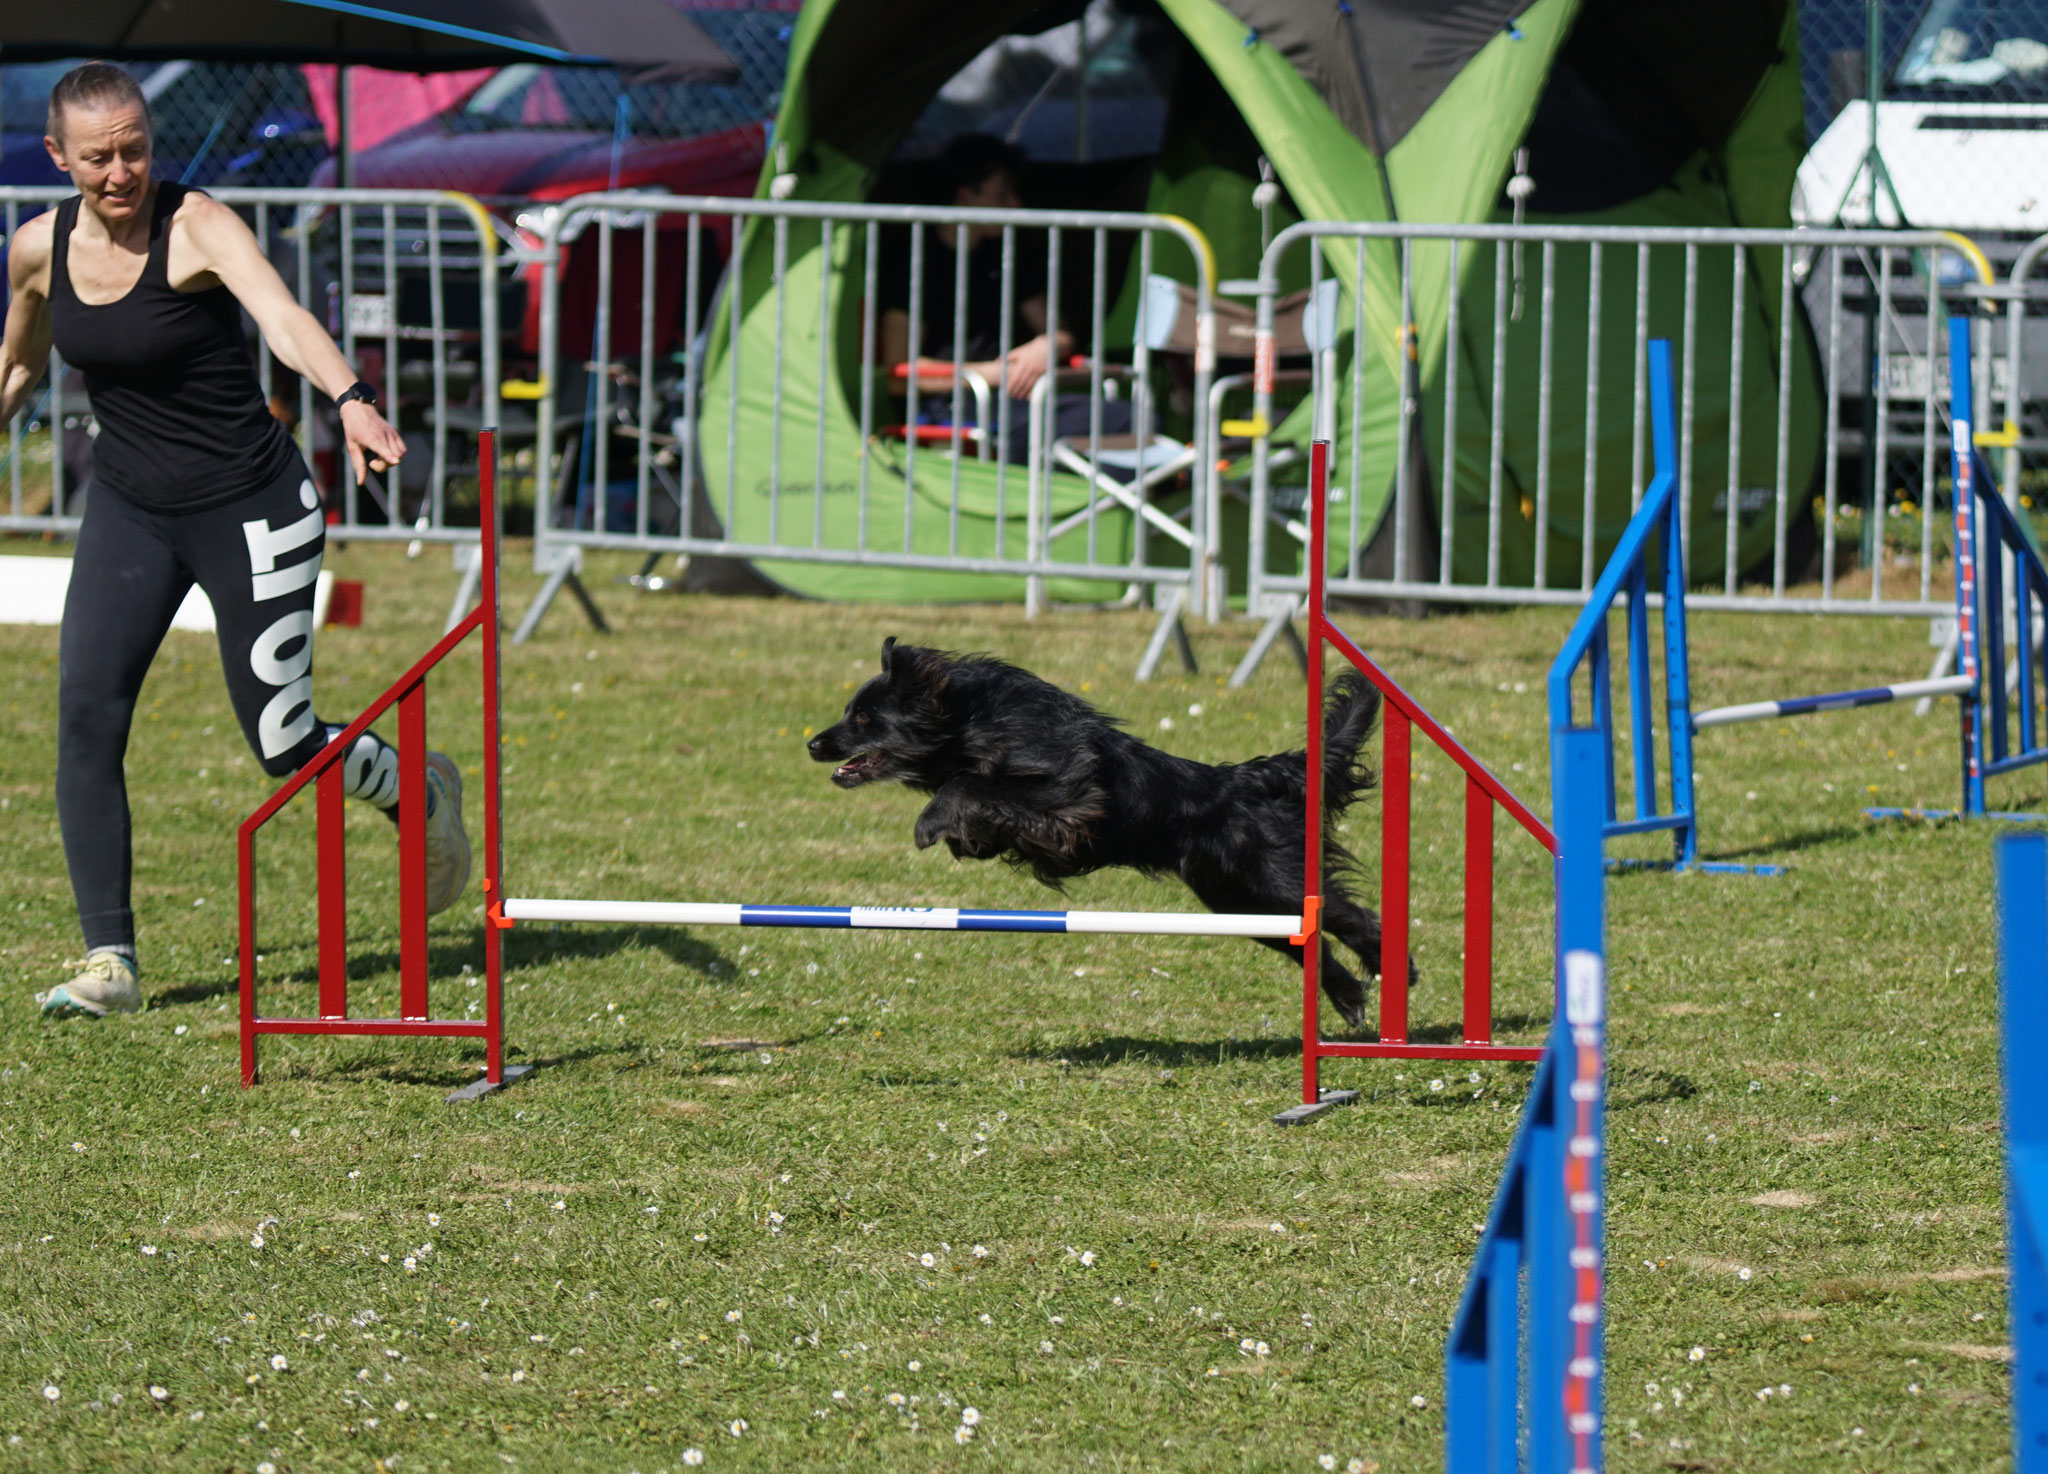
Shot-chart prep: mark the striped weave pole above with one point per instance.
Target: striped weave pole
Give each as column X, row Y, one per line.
column 906, row 918
column 1800, row 706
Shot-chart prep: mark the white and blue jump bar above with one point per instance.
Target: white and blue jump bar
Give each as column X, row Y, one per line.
column 1801, row 706
column 908, row 918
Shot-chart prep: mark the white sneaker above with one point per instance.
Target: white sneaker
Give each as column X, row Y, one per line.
column 105, row 983
column 447, row 842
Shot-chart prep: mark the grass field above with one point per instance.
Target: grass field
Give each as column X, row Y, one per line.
column 797, row 1200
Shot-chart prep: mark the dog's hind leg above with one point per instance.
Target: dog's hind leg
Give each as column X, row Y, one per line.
column 1359, row 929
column 1345, row 992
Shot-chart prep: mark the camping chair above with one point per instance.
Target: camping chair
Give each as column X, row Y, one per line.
column 1123, row 474
column 939, row 386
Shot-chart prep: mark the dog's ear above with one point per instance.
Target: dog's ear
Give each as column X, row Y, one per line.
column 888, row 655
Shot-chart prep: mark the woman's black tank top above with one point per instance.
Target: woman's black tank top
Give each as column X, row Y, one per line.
column 182, row 422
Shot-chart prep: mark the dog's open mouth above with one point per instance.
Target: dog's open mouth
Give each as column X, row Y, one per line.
column 857, row 769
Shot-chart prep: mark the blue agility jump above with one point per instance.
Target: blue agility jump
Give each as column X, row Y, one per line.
column 1523, row 1361
column 2022, row 864
column 2001, row 586
column 908, row 918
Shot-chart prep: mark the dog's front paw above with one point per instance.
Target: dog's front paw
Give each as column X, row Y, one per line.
column 929, row 831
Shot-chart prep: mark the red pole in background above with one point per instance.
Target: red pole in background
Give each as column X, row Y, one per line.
column 245, row 861
column 1397, row 761
column 494, row 871
column 1478, row 914
column 333, row 927
column 412, row 852
column 1312, row 857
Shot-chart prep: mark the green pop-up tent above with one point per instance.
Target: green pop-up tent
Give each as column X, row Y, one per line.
column 1682, row 113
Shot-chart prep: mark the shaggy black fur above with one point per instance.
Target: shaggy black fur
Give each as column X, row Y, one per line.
column 1020, row 770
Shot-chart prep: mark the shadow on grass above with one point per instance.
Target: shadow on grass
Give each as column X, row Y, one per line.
column 525, row 947
column 1182, row 1052
column 382, row 1066
column 1810, row 840
column 1631, row 1086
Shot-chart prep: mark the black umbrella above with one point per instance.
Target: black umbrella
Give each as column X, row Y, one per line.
column 646, row 39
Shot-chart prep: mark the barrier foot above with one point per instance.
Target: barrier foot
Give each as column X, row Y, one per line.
column 479, row 1088
column 470, row 563
column 1299, row 1115
column 1279, row 626
column 2002, row 817
column 1171, row 627
column 1699, row 867
column 563, row 576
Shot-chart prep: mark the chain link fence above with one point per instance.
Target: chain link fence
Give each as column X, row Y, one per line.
column 501, row 133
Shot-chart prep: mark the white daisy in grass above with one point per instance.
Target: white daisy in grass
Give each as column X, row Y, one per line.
column 50, row 1390
column 928, row 1260
column 78, row 1146
column 279, row 1364
column 963, row 1434
column 736, row 1427
column 981, row 1251
column 693, row 1456
column 1698, row 1353
column 160, row 1394
column 401, row 1406
column 1326, row 1461
column 149, row 1251
column 433, row 1220
column 733, row 1316
column 970, row 1416
column 1262, row 1350
column 255, row 1240
column 987, row 1319
column 411, row 1264
column 1045, row 1348
column 917, row 1366
column 894, row 1399
column 1418, row 1400
column 1087, row 1258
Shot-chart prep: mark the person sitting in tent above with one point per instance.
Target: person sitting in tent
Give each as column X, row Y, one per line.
column 979, row 171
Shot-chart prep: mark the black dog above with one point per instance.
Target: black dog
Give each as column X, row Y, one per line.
column 1019, row 769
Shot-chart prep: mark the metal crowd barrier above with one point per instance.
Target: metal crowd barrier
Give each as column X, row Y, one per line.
column 410, row 282
column 747, row 415
column 1540, row 407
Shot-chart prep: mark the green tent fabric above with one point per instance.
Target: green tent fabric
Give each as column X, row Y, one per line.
column 1367, row 110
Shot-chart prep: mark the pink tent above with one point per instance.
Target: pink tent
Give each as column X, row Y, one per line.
column 387, row 102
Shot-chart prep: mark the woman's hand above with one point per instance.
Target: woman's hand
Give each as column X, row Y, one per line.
column 370, row 439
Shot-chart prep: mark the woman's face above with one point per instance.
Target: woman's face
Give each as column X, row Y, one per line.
column 106, row 153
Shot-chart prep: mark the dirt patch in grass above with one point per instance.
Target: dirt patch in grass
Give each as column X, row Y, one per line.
column 1968, row 1350
column 1784, row 1198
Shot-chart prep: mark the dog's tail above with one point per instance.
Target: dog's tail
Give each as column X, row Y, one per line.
column 1349, row 716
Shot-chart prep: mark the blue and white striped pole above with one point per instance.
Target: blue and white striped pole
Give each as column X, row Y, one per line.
column 1800, row 706
column 908, row 918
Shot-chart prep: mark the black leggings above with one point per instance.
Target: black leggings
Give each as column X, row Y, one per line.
column 257, row 560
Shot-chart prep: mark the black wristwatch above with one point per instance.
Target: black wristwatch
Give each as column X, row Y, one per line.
column 358, row 392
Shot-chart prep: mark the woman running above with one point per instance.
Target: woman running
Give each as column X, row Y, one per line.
column 141, row 285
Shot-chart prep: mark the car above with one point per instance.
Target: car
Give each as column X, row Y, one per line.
column 532, row 135
column 1962, row 129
